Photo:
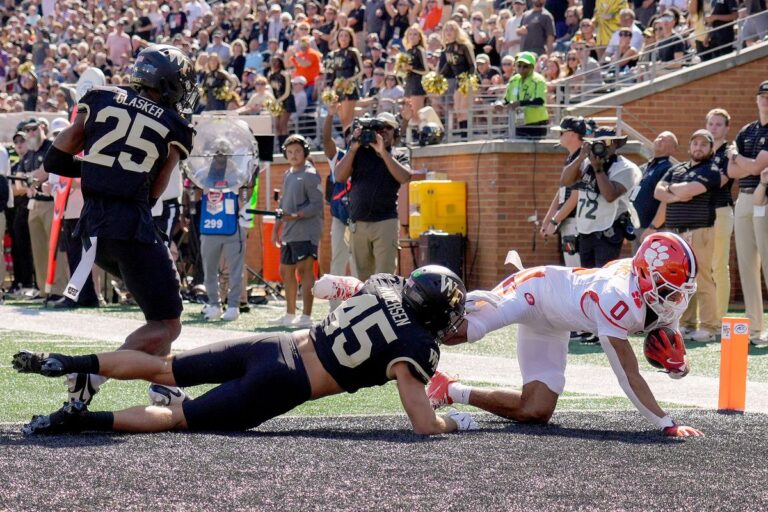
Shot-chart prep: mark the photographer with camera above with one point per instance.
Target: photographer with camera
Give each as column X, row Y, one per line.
column 687, row 193
column 603, row 213
column 377, row 171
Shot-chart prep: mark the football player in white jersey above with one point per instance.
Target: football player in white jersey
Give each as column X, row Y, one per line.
column 625, row 297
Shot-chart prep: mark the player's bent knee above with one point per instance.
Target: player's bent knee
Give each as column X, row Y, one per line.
column 534, row 414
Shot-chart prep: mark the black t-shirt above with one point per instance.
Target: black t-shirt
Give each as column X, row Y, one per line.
column 373, row 196
column 176, row 21
column 669, row 46
column 359, row 15
column 723, row 8
column 699, row 212
column 127, row 141
column 368, row 333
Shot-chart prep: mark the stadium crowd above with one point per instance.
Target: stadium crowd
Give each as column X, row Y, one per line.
column 358, row 56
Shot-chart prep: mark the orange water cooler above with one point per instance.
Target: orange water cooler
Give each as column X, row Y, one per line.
column 270, row 254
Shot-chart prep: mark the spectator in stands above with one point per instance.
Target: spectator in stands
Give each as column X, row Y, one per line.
column 261, row 94
column 390, row 95
column 626, row 58
column 586, row 34
column 717, row 123
column 537, row 30
column 176, row 19
column 756, row 26
column 572, row 20
column 646, row 205
column 670, row 46
column 644, row 10
column 526, row 95
column 485, row 70
column 254, row 59
column 397, row 16
column 236, row 64
column 431, row 15
column 688, row 193
column 588, row 78
column 607, row 20
column 306, row 63
column 721, row 18
column 119, row 44
column 627, row 23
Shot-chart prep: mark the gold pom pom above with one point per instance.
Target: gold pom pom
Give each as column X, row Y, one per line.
column 403, row 59
column 329, row 96
column 274, row 107
column 27, row 68
column 434, row 83
column 344, row 86
column 468, row 82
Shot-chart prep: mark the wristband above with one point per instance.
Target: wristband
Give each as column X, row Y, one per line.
column 665, row 422
column 554, row 222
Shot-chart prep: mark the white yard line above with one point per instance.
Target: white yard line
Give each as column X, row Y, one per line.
column 594, row 380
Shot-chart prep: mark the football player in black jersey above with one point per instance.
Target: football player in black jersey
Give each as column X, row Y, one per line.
column 131, row 139
column 388, row 328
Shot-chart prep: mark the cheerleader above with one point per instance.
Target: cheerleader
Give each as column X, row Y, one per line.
column 280, row 81
column 347, row 68
column 416, row 68
column 459, row 58
column 215, row 82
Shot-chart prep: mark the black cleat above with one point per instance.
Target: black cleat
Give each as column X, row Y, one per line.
column 65, row 420
column 38, row 362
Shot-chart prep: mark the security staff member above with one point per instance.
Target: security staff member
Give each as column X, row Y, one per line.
column 688, row 192
column 527, row 93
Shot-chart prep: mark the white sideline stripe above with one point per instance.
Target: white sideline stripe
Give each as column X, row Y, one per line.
column 592, row 380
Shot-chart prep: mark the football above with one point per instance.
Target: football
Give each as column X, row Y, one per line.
column 664, row 349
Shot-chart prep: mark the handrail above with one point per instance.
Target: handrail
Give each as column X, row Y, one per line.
column 569, row 92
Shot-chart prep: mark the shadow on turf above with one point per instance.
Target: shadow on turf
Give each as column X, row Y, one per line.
column 555, row 430
column 16, row 438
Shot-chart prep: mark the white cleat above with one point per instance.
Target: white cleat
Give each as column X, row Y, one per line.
column 165, row 396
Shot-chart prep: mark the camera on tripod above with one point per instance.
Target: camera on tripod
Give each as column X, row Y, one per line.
column 368, row 127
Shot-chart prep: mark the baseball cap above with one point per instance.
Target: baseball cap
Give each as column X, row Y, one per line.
column 763, row 89
column 705, row 134
column 58, row 125
column 572, row 124
column 606, row 133
column 482, row 58
column 299, row 80
column 19, row 134
column 519, row 2
column 388, row 119
column 275, row 7
column 526, row 58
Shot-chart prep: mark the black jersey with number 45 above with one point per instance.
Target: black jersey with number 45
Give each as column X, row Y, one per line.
column 127, row 141
column 368, row 333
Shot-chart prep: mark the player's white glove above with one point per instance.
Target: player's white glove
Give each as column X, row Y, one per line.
column 332, row 287
column 476, row 298
column 463, row 419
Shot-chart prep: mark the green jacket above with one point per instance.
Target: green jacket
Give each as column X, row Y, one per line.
column 527, row 91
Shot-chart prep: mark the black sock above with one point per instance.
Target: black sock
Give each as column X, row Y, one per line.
column 102, row 421
column 78, row 364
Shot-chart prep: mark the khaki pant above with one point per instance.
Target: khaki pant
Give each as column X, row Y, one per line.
column 721, row 272
column 2, row 251
column 751, row 252
column 374, row 247
column 702, row 311
column 40, row 219
column 340, row 255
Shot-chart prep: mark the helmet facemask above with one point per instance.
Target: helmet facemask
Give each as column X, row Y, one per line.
column 668, row 300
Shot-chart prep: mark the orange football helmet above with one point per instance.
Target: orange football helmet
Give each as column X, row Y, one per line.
column 665, row 268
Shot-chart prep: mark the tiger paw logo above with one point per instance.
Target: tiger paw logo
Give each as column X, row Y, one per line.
column 637, row 298
column 656, row 255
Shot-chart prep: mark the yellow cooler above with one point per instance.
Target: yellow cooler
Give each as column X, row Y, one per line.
column 438, row 205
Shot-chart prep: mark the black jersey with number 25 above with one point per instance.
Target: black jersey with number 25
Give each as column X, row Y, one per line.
column 127, row 142
column 368, row 333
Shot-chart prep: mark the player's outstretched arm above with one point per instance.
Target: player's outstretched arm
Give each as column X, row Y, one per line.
column 624, row 364
column 420, row 412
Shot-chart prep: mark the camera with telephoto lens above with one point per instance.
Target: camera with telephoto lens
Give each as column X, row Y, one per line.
column 368, row 128
column 599, row 148
column 624, row 223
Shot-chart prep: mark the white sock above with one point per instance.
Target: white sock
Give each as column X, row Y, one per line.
column 459, row 393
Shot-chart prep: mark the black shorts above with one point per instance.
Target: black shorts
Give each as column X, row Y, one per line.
column 148, row 272
column 261, row 377
column 168, row 220
column 293, row 252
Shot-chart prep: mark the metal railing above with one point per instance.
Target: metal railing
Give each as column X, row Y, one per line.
column 571, row 90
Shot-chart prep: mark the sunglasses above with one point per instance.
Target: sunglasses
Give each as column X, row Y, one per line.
column 523, row 65
column 573, row 58
column 28, row 130
column 477, row 19
column 625, row 34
